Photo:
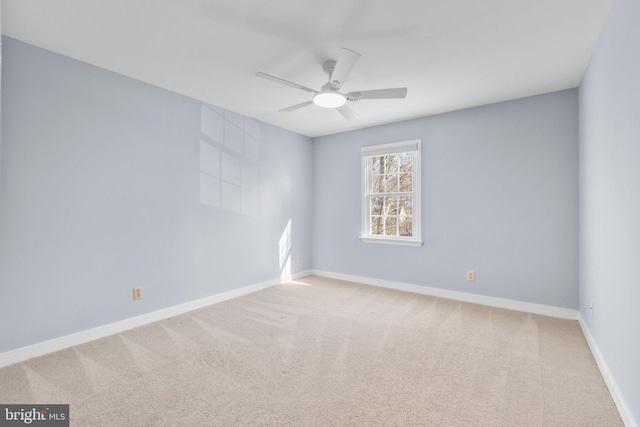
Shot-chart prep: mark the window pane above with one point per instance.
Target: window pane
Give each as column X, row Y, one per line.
column 405, row 162
column 377, row 164
column 377, row 226
column 391, row 226
column 391, row 164
column 391, row 205
column 405, row 205
column 376, row 205
column 378, row 184
column 405, row 225
column 406, row 182
column 391, row 183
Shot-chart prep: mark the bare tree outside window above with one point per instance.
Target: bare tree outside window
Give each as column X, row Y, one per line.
column 391, row 201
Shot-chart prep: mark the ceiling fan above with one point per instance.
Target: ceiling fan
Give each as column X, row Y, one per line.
column 329, row 95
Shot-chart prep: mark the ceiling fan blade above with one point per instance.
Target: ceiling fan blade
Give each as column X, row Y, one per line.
column 284, row 82
column 346, row 61
column 347, row 112
column 399, row 92
column 297, row 106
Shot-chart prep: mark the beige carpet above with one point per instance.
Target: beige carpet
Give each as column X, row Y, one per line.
column 320, row 352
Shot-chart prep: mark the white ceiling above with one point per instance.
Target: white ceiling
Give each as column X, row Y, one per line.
column 451, row 54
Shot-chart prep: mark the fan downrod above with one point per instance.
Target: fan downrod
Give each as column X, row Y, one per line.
column 329, row 66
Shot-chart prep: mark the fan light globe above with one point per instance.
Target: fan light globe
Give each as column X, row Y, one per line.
column 329, row 99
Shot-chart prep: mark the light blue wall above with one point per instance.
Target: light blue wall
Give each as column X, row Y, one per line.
column 0, row 97
column 610, row 197
column 500, row 197
column 101, row 192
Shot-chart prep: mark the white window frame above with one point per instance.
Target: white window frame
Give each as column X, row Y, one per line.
column 412, row 146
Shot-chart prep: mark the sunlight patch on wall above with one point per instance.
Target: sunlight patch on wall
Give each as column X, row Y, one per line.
column 229, row 160
column 284, row 246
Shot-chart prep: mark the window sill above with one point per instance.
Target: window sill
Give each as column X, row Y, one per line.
column 390, row 241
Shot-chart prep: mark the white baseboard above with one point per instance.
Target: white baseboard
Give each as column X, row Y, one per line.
column 56, row 344
column 621, row 404
column 302, row 274
column 545, row 310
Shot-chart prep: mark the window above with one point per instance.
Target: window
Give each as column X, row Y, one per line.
column 391, row 193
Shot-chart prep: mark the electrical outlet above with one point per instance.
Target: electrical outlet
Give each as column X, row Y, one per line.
column 471, row 276
column 137, row 293
column 299, row 259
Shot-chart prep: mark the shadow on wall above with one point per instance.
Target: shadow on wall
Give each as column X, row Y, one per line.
column 229, row 159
